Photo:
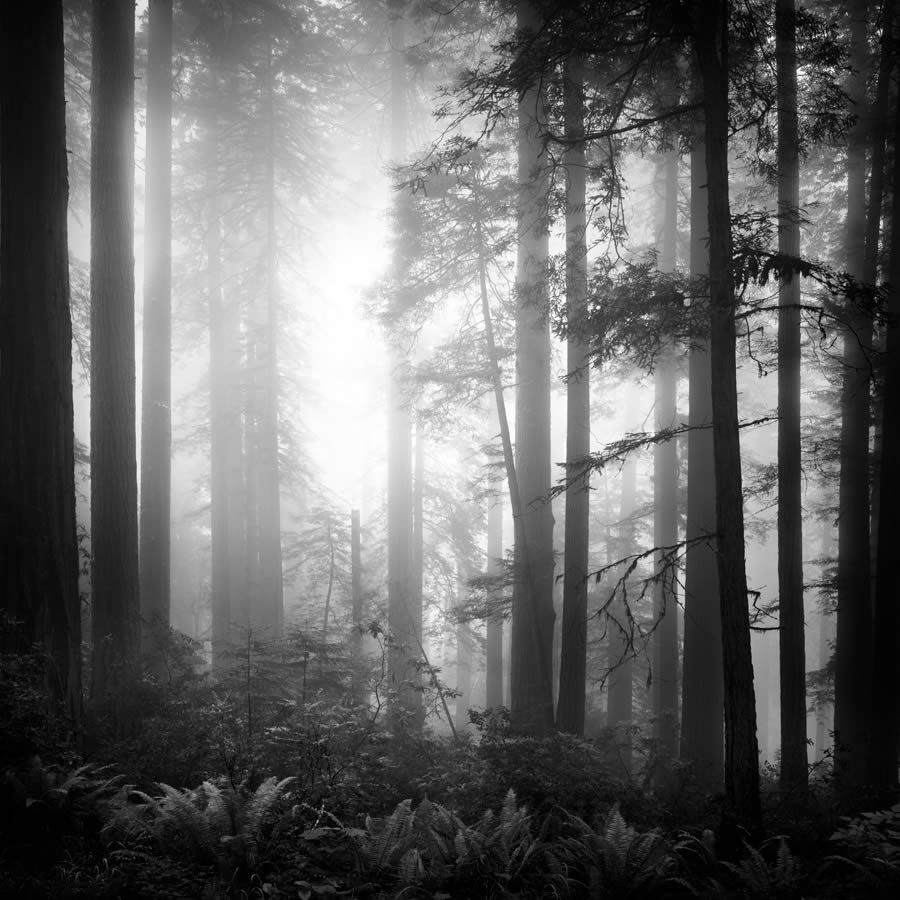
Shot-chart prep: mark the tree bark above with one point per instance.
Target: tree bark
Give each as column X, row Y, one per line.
column 573, row 649
column 405, row 638
column 269, row 600
column 156, row 397
column 884, row 744
column 38, row 545
column 791, row 631
column 115, row 607
column 741, row 750
column 531, row 682
column 620, row 635
column 702, row 725
column 665, row 498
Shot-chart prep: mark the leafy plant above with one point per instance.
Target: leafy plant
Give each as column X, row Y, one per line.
column 779, row 879
column 223, row 825
column 616, row 859
column 429, row 845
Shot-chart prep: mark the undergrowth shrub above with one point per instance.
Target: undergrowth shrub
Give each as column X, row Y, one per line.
column 216, row 823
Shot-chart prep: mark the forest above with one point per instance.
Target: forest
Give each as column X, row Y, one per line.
column 445, row 449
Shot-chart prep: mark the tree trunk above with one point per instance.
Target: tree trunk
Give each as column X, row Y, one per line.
column 741, row 750
column 116, row 623
column 463, row 653
column 269, row 601
column 356, row 601
column 620, row 636
column 884, row 744
column 156, row 397
column 573, row 649
column 222, row 585
column 665, row 498
column 531, row 680
column 494, row 646
column 38, row 546
column 702, row 735
column 405, row 638
column 791, row 633
column 853, row 645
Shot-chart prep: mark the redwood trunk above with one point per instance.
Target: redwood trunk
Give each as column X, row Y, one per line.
column 38, row 546
column 115, row 610
column 156, row 397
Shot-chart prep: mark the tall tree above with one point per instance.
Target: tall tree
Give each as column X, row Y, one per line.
column 532, row 619
column 268, row 601
column 702, row 735
column 573, row 649
column 665, row 492
column 620, row 644
column 741, row 750
column 884, row 744
column 39, row 555
column 114, row 533
column 405, row 638
column 853, row 640
column 156, row 397
column 791, row 642
column 494, row 643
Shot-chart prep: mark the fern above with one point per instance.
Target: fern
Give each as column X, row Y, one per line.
column 617, row 860
column 222, row 825
column 779, row 880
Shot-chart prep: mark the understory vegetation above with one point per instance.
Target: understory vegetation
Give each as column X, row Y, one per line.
column 328, row 798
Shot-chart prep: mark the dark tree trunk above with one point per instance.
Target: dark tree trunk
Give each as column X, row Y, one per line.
column 116, row 624
column 791, row 632
column 573, row 649
column 38, row 546
column 702, row 724
column 853, row 644
column 884, row 744
column 665, row 498
column 156, row 398
column 620, row 636
column 531, row 681
column 741, row 750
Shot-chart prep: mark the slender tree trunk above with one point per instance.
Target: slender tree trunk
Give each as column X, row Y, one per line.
column 573, row 649
column 853, row 650
column 494, row 648
column 463, row 652
column 665, row 498
column 620, row 638
column 702, row 734
column 156, row 397
column 741, row 750
column 532, row 618
column 115, row 611
column 221, row 512
column 405, row 639
column 269, row 600
column 884, row 744
column 791, row 632
column 356, row 600
column 38, row 545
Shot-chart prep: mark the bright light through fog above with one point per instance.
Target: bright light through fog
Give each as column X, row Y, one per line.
column 346, row 358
